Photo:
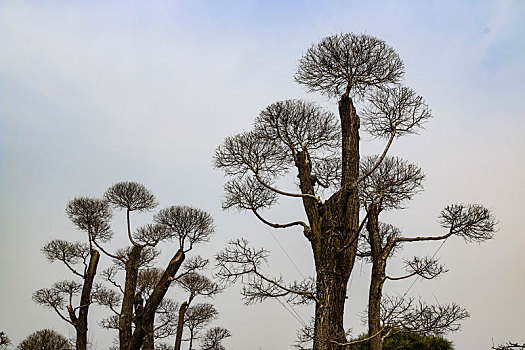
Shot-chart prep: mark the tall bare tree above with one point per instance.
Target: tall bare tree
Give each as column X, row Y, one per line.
column 186, row 226
column 324, row 152
column 93, row 217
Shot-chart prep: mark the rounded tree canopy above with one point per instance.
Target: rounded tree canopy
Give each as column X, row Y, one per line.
column 349, row 64
column 131, row 196
column 45, row 339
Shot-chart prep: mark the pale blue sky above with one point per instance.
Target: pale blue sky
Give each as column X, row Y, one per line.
column 95, row 92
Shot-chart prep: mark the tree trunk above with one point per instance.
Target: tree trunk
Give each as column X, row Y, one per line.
column 81, row 324
column 126, row 311
column 180, row 324
column 377, row 280
column 149, row 340
column 334, row 226
column 154, row 300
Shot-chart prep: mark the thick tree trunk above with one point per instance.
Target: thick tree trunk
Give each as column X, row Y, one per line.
column 81, row 323
column 334, row 227
column 180, row 324
column 130, row 286
column 154, row 300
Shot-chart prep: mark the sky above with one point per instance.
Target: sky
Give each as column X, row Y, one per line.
column 97, row 92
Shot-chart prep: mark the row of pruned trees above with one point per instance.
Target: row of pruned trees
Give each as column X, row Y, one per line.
column 343, row 193
column 133, row 288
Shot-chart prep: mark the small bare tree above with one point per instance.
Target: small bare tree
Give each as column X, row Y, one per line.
column 195, row 285
column 91, row 216
column 45, row 339
column 392, row 183
column 212, row 339
column 196, row 318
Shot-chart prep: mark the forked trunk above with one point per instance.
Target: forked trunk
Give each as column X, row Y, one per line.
column 334, row 228
column 154, row 300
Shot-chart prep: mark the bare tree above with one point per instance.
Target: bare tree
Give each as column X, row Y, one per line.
column 91, row 216
column 196, row 318
column 194, row 284
column 185, row 225
column 212, row 339
column 45, row 339
column 392, row 183
column 324, row 152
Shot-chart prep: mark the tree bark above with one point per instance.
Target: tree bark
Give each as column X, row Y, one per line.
column 130, row 286
column 334, row 227
column 180, row 324
column 377, row 280
column 154, row 300
column 81, row 323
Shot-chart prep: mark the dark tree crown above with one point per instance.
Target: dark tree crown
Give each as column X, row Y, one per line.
column 131, row 196
column 349, row 64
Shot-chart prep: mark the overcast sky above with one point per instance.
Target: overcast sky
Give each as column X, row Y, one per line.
column 96, row 92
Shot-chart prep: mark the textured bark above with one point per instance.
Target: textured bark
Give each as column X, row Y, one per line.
column 180, row 324
column 154, row 300
column 334, row 228
column 377, row 280
column 81, row 323
column 149, row 341
column 126, row 312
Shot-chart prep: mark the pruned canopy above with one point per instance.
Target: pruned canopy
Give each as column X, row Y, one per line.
column 91, row 215
column 186, row 224
column 349, row 64
column 396, row 110
column 390, row 184
column 131, row 196
column 472, row 222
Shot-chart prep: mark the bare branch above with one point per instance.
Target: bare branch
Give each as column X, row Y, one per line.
column 131, row 196
column 92, row 216
column 248, row 152
column 247, row 193
column 349, row 64
column 472, row 222
column 426, row 267
column 406, row 315
column 186, row 224
column 300, row 126
column 396, row 110
column 290, row 224
column 213, row 338
column 106, row 297
column 67, row 252
column 393, row 182
column 238, row 260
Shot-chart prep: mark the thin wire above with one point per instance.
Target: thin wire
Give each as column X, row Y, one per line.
column 294, row 313
column 415, row 279
column 286, row 253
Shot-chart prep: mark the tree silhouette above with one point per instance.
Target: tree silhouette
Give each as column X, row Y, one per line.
column 323, row 152
column 70, row 299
